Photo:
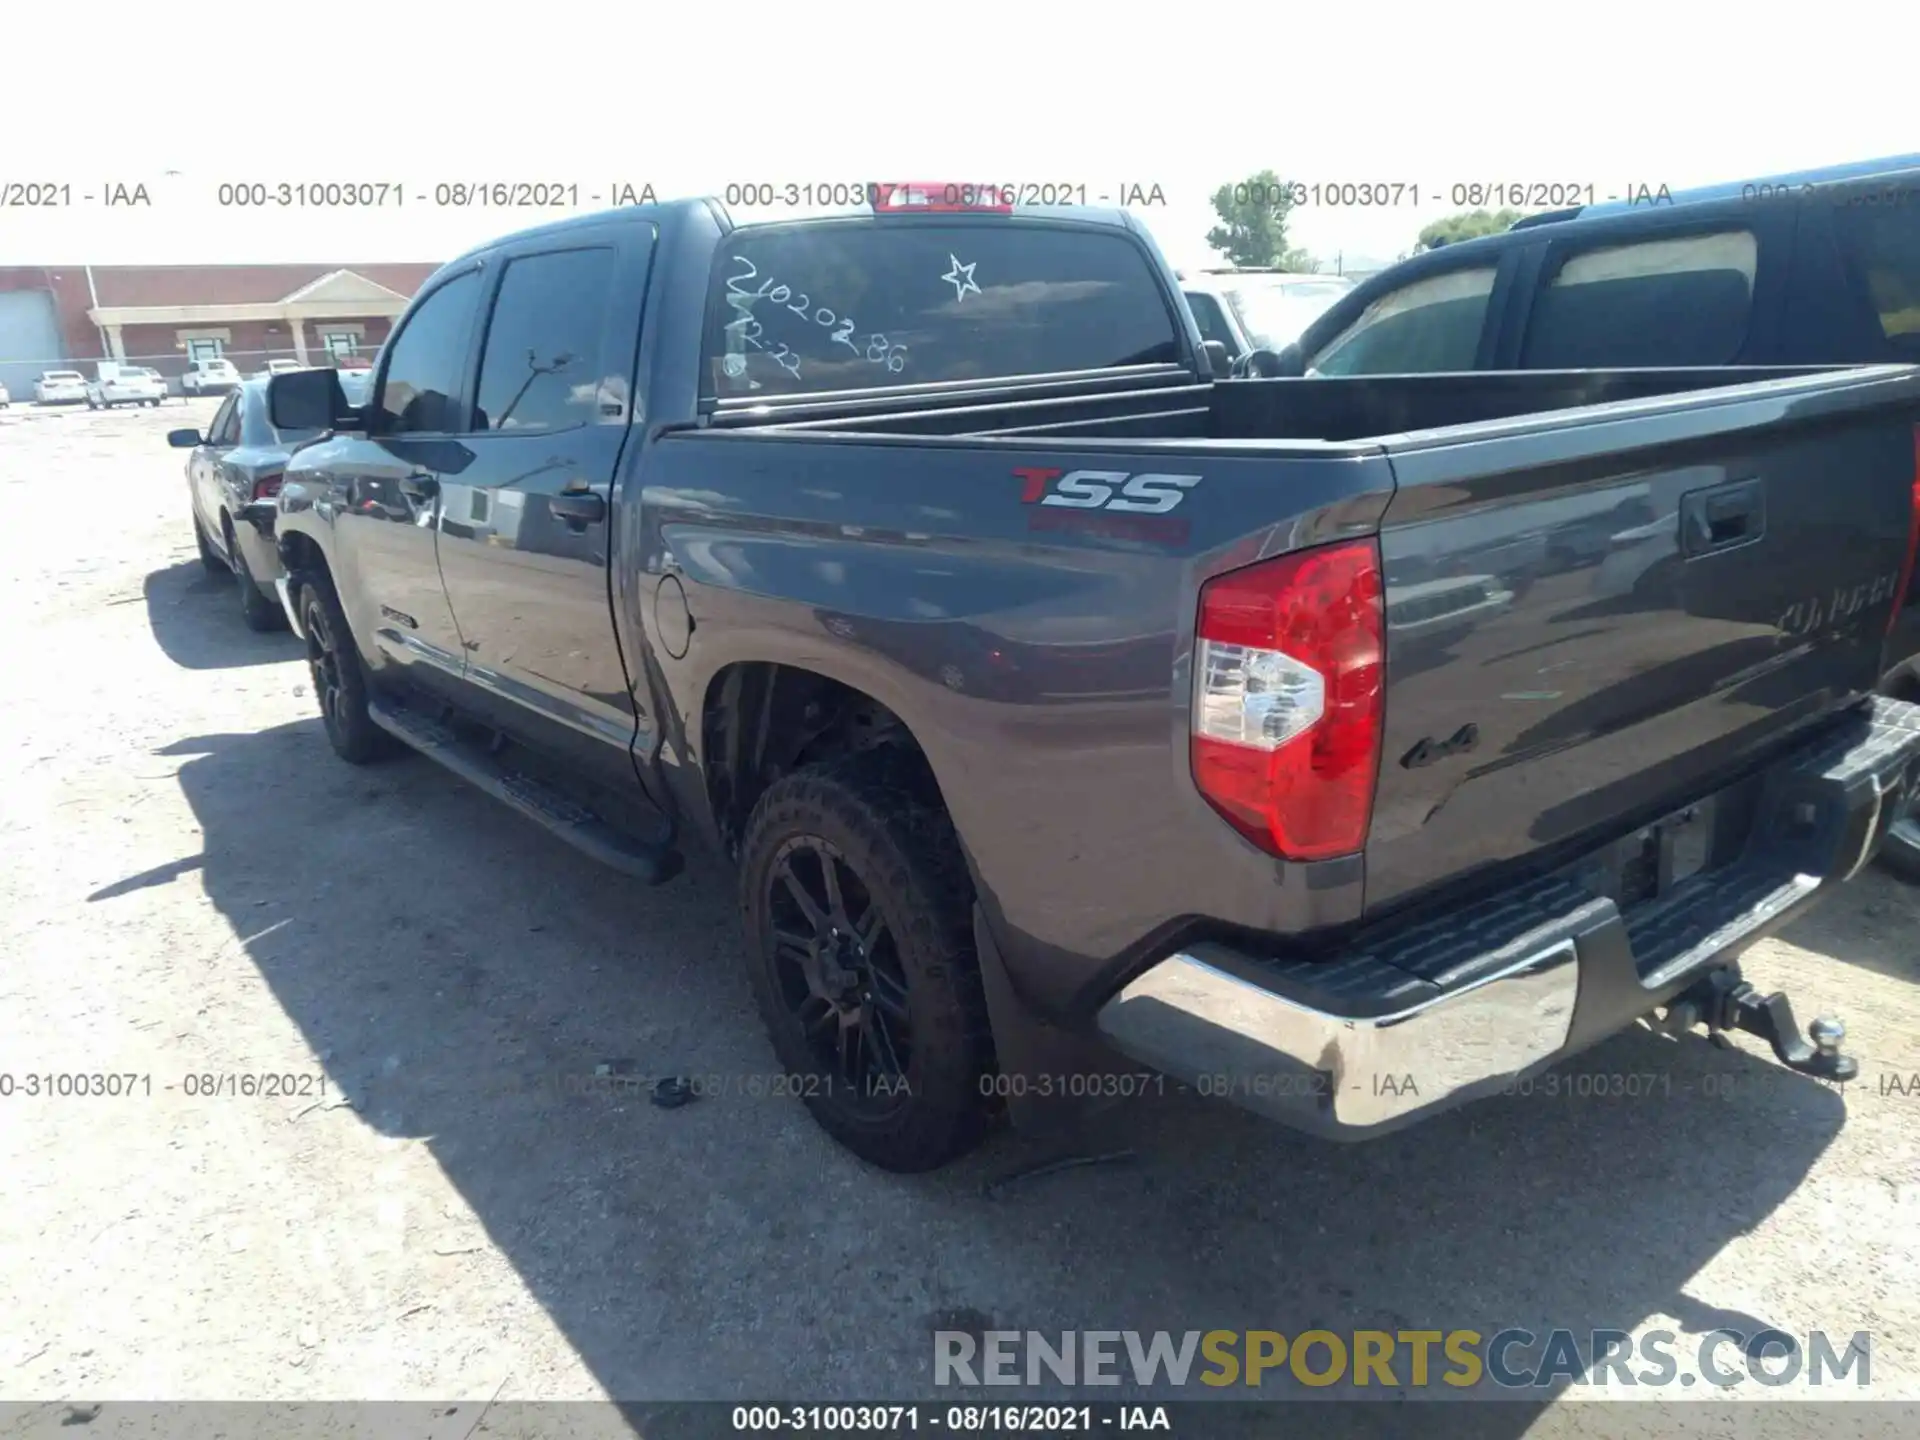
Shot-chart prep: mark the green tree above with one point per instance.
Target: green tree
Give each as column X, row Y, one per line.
column 1253, row 223
column 1467, row 225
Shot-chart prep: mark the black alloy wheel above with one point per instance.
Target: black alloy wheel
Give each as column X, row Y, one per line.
column 858, row 909
column 839, row 974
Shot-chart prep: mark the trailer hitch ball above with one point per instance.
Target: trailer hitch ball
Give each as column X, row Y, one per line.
column 1725, row 1002
column 1827, row 1032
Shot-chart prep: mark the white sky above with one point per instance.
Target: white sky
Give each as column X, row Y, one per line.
column 1097, row 95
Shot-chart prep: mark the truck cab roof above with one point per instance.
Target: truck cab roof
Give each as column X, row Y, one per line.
column 660, row 212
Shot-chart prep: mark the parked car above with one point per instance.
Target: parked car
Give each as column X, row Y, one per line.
column 210, row 377
column 283, row 366
column 118, row 384
column 60, row 387
column 1347, row 885
column 233, row 474
column 1248, row 310
column 5, row 398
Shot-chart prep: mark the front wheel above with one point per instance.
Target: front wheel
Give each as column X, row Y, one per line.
column 858, row 913
column 339, row 677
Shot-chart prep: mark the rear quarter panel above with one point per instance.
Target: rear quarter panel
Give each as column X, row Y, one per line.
column 1044, row 671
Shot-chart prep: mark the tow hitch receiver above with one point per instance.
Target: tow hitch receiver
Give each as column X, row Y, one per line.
column 1723, row 1001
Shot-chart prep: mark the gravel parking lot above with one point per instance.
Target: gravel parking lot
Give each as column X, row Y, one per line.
column 196, row 887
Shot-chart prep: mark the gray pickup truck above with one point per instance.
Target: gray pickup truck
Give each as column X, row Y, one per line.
column 1081, row 723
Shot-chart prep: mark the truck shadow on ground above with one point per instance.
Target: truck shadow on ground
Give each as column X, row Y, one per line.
column 195, row 619
column 458, row 970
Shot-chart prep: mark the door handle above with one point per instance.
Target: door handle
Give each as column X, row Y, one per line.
column 579, row 509
column 1722, row 517
column 420, row 486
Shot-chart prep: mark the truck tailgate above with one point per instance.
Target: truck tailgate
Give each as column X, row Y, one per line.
column 1591, row 616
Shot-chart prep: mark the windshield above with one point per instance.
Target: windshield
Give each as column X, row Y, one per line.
column 1275, row 314
column 62, row 377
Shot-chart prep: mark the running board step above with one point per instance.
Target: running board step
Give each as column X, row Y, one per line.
column 650, row 862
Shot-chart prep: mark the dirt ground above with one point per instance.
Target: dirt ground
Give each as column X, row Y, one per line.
column 194, row 886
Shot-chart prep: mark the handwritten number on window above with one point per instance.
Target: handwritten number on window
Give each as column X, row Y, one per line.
column 879, row 351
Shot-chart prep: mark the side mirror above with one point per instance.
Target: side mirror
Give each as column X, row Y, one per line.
column 184, row 439
column 310, row 400
column 1217, row 356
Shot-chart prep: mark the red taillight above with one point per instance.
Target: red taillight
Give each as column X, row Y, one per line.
column 939, row 196
column 267, row 487
column 1287, row 677
column 1913, row 541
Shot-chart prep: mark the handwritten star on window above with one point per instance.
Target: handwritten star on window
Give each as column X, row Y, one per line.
column 961, row 278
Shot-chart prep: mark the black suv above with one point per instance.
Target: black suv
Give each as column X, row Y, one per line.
column 1816, row 268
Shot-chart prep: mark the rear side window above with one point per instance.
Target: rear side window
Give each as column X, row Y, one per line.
column 541, row 366
column 256, row 429
column 1683, row 301
column 223, row 421
column 1430, row 326
column 1879, row 232
column 848, row 306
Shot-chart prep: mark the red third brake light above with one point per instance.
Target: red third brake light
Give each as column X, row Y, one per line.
column 1287, row 676
column 938, row 197
column 1913, row 541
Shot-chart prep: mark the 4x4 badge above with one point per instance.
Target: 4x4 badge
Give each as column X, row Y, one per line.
column 1428, row 751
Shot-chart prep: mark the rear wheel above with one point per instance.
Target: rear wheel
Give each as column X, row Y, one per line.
column 339, row 677
column 210, row 561
column 859, row 940
column 259, row 612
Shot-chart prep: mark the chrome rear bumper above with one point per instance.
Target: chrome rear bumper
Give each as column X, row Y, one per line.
column 1462, row 1002
column 1204, row 1016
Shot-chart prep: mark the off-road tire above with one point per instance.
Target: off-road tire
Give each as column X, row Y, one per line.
column 881, row 812
column 339, row 677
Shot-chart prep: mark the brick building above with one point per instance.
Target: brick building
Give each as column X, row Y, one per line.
column 167, row 315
